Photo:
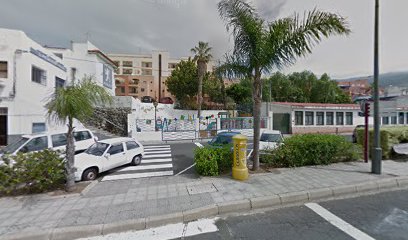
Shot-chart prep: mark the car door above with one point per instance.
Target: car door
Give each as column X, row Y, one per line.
column 117, row 156
column 133, row 149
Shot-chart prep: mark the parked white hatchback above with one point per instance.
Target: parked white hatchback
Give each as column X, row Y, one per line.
column 270, row 139
column 106, row 155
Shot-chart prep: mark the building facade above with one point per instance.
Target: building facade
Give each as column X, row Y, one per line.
column 145, row 75
column 29, row 75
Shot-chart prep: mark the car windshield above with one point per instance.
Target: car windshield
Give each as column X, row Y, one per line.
column 271, row 137
column 97, row 149
column 221, row 140
column 14, row 146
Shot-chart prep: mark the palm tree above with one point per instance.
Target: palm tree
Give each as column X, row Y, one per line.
column 76, row 101
column 261, row 46
column 202, row 56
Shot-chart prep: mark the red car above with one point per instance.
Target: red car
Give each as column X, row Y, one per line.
column 166, row 100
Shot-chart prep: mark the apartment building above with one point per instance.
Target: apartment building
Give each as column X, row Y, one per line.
column 144, row 75
column 29, row 75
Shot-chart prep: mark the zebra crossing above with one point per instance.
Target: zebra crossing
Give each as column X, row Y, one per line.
column 156, row 162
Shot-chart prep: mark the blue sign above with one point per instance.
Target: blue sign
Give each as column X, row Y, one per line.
column 48, row 59
column 107, row 76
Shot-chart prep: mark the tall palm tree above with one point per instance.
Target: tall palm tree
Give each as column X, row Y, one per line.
column 261, row 46
column 76, row 101
column 202, row 56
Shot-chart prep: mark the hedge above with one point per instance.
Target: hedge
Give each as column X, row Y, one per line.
column 389, row 137
column 32, row 173
column 311, row 149
column 211, row 161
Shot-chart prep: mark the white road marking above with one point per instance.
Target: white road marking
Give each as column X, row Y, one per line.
column 338, row 222
column 157, row 160
column 156, row 146
column 146, row 167
column 185, row 170
column 199, row 144
column 157, row 155
column 157, row 152
column 137, row 175
column 157, row 149
column 171, row 231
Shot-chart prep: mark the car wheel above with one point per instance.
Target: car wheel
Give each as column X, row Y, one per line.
column 136, row 160
column 90, row 174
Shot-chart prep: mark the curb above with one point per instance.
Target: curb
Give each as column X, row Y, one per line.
column 273, row 201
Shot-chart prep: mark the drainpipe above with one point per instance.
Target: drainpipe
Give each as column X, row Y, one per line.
column 13, row 91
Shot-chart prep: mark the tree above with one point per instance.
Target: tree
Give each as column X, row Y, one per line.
column 202, row 56
column 76, row 101
column 183, row 83
column 261, row 46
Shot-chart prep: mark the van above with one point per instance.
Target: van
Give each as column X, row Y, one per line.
column 83, row 138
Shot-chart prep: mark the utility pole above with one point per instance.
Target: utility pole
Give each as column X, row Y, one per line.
column 377, row 151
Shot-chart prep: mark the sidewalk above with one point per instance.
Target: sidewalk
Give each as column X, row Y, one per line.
column 114, row 206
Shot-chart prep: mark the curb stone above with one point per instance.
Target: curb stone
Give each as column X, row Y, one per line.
column 280, row 200
column 89, row 187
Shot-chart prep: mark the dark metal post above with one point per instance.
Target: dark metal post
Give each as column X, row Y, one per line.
column 377, row 151
column 155, row 115
column 366, row 132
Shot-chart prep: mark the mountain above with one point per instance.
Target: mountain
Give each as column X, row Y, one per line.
column 399, row 79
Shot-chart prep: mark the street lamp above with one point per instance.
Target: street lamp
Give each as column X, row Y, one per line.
column 155, row 115
column 377, row 151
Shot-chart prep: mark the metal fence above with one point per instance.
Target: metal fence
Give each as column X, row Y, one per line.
column 173, row 130
column 241, row 123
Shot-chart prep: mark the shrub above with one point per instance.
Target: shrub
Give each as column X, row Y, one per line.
column 32, row 173
column 389, row 136
column 212, row 161
column 312, row 149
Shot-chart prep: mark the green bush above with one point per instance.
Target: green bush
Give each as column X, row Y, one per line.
column 389, row 136
column 32, row 173
column 212, row 161
column 311, row 149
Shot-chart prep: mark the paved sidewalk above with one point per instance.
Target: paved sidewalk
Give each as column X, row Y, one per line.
column 118, row 201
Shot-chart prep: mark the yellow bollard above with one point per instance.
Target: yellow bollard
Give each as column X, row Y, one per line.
column 239, row 168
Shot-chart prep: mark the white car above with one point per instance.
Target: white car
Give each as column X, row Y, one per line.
column 270, row 139
column 83, row 138
column 106, row 155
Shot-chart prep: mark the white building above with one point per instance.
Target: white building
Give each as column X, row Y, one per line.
column 29, row 74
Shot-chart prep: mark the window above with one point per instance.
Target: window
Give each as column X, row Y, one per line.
column 127, row 64
column 385, row 120
column 59, row 82
column 406, row 117
column 3, row 69
column 146, row 64
column 117, row 63
column 146, row 72
column 172, row 65
column 142, row 89
column 309, row 118
column 115, row 149
column 35, row 144
column 134, row 81
column 73, row 73
column 298, row 118
column 319, row 118
column 82, row 135
column 339, row 118
column 349, row 118
column 394, row 119
column 38, row 75
column 38, row 127
column 329, row 118
column 126, row 71
column 59, row 140
column 131, row 145
column 401, row 119
column 132, row 90
column 122, row 89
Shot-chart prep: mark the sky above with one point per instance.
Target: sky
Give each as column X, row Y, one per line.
column 139, row 26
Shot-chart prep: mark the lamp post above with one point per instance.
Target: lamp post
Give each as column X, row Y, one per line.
column 377, row 151
column 155, row 115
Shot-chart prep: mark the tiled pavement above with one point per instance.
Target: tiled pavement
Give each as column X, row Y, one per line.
column 114, row 201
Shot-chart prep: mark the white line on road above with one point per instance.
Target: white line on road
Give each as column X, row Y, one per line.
column 156, row 160
column 171, row 231
column 156, row 152
column 185, row 170
column 338, row 222
column 199, row 144
column 157, row 155
column 136, row 175
column 146, row 167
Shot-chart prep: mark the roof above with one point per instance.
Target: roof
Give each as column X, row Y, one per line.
column 101, row 54
column 116, row 140
column 317, row 105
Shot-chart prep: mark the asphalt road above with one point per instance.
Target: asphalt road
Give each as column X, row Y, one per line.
column 381, row 216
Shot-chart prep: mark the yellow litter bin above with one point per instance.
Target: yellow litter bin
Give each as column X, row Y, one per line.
column 239, row 168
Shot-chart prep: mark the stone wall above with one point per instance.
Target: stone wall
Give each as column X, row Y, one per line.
column 113, row 120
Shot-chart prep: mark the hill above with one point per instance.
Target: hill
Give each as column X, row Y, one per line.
column 399, row 79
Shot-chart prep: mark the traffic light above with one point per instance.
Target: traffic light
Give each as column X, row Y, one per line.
column 365, row 109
